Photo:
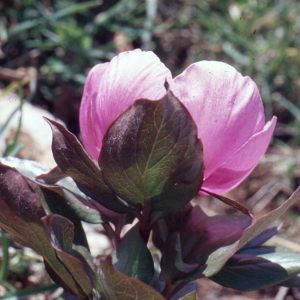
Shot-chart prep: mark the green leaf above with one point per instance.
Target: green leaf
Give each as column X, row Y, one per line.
column 134, row 258
column 87, row 210
column 26, row 293
column 217, row 259
column 74, row 8
column 113, row 285
column 23, row 216
column 257, row 268
column 263, row 237
column 25, row 26
column 151, row 155
column 75, row 162
column 4, row 267
column 63, row 202
column 190, row 296
column 61, row 232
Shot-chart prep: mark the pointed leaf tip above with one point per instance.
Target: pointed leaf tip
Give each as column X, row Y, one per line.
column 218, row 258
column 134, row 258
column 260, row 267
column 74, row 161
column 236, row 205
column 23, row 216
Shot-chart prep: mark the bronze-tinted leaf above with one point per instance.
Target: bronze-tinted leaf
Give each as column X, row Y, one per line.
column 134, row 258
column 113, row 285
column 151, row 155
column 23, row 216
column 75, row 162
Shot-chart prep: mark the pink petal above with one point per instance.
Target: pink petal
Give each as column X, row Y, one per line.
column 226, row 107
column 130, row 76
column 89, row 123
column 241, row 163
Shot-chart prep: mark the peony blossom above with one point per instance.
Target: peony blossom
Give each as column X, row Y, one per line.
column 226, row 107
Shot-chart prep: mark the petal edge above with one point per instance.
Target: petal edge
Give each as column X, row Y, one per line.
column 243, row 161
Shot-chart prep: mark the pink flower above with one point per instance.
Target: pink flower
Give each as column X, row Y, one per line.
column 226, row 107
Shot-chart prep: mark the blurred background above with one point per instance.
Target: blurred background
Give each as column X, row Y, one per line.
column 47, row 48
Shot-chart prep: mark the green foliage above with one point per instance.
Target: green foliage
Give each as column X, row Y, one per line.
column 190, row 296
column 217, row 259
column 114, row 285
column 256, row 268
column 48, row 219
column 49, row 235
column 134, row 258
column 12, row 146
column 63, row 39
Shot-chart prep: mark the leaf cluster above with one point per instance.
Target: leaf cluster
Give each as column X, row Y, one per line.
column 151, row 167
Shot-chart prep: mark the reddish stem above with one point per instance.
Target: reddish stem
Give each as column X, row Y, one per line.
column 145, row 226
column 118, row 230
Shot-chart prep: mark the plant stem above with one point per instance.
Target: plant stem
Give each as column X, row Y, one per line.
column 5, row 257
column 118, row 230
column 24, row 294
column 145, row 226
